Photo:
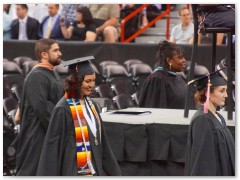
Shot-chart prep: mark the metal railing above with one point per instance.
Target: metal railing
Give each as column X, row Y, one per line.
column 138, row 32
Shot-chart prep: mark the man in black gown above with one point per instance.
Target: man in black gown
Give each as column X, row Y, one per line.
column 42, row 89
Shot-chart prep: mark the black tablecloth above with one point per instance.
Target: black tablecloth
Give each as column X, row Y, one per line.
column 149, row 149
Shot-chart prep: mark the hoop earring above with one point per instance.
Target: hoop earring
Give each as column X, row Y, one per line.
column 170, row 66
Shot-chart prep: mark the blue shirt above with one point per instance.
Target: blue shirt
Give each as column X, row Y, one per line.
column 6, row 26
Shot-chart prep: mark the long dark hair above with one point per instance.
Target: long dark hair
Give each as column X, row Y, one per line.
column 87, row 17
column 166, row 50
column 72, row 86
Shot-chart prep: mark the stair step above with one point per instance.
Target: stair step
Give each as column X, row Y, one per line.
column 163, row 22
column 155, row 31
column 149, row 39
column 174, row 14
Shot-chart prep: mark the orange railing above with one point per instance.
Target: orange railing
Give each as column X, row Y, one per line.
column 160, row 16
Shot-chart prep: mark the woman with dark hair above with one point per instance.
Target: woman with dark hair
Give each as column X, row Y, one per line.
column 76, row 143
column 81, row 30
column 210, row 147
column 165, row 88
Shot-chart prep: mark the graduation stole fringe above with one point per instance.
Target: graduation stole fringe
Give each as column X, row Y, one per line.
column 82, row 165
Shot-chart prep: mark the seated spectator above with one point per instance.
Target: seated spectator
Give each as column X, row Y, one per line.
column 165, row 87
column 6, row 23
column 136, row 22
column 12, row 10
column 50, row 26
column 152, row 11
column 182, row 33
column 106, row 19
column 208, row 37
column 82, row 29
column 215, row 15
column 25, row 27
column 69, row 11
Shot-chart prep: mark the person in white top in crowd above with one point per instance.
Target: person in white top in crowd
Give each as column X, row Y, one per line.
column 37, row 11
column 24, row 27
column 6, row 23
column 12, row 10
column 182, row 33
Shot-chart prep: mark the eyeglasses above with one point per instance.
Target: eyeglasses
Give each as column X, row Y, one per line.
column 185, row 15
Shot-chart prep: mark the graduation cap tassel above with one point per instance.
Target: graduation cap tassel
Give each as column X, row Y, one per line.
column 205, row 106
column 73, row 92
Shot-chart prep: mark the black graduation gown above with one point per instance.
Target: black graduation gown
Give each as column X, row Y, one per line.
column 174, row 91
column 41, row 92
column 210, row 147
column 58, row 157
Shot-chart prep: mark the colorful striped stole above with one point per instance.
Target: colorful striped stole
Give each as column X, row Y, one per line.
column 82, row 149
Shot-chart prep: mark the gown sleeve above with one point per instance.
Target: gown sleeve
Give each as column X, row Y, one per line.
column 201, row 157
column 53, row 149
column 150, row 95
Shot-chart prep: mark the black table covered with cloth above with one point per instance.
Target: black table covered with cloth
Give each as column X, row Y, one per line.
column 151, row 145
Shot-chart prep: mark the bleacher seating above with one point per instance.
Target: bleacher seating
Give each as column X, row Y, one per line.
column 123, row 101
column 5, row 60
column 6, row 89
column 139, row 73
column 12, row 74
column 99, row 77
column 128, row 63
column 27, row 66
column 135, row 97
column 104, row 91
column 17, row 91
column 104, row 64
column 21, row 59
column 8, row 156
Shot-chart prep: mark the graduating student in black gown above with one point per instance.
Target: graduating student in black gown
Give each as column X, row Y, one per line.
column 76, row 142
column 210, row 147
column 165, row 88
column 42, row 90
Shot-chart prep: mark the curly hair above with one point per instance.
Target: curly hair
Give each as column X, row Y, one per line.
column 166, row 50
column 73, row 88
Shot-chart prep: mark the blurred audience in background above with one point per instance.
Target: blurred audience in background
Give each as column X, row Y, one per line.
column 6, row 23
column 106, row 19
column 182, row 33
column 81, row 29
column 50, row 26
column 24, row 27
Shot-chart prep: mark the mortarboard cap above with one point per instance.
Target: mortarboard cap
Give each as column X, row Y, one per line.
column 80, row 65
column 210, row 80
column 216, row 79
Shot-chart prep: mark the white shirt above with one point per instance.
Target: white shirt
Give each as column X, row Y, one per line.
column 218, row 118
column 23, row 29
column 180, row 35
